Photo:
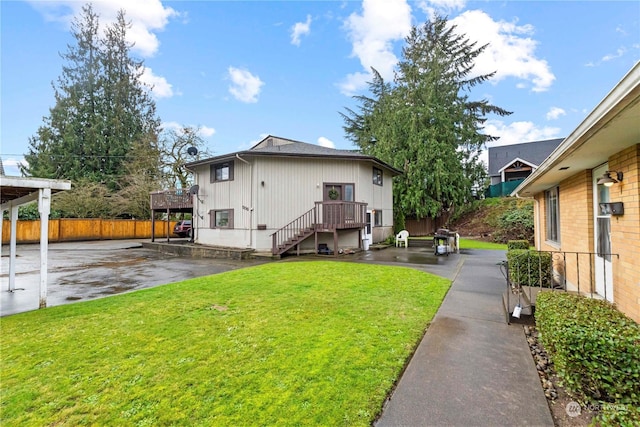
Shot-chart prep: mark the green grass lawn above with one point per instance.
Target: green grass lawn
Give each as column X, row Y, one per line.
column 472, row 244
column 301, row 343
column 479, row 244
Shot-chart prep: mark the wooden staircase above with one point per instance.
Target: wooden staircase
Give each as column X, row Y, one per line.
column 323, row 217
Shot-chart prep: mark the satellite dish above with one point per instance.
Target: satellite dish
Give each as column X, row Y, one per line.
column 192, row 151
column 194, row 189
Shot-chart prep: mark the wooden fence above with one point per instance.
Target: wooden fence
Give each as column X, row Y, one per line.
column 67, row 230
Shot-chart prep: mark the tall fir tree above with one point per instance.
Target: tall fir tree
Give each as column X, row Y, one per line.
column 102, row 109
column 425, row 124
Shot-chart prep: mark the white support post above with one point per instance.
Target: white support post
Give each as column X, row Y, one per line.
column 44, row 207
column 1, row 225
column 13, row 216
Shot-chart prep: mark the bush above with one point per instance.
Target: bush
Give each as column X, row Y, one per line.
column 515, row 224
column 596, row 352
column 530, row 268
column 517, row 244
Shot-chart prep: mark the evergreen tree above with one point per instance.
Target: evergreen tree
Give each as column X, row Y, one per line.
column 101, row 108
column 425, row 124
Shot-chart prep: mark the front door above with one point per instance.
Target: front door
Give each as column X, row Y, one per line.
column 602, row 240
column 338, row 213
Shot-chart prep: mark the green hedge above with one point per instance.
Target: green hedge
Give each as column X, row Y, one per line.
column 530, row 267
column 517, row 244
column 596, row 352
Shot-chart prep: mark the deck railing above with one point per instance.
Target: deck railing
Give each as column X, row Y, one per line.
column 341, row 215
column 171, row 199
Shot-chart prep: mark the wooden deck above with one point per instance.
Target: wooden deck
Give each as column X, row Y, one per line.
column 172, row 200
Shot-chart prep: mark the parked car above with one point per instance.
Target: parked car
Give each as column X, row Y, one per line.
column 183, row 228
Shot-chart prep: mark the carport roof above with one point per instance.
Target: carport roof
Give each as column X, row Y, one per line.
column 24, row 190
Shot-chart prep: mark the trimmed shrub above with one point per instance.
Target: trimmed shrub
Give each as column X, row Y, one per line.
column 596, row 352
column 530, row 268
column 517, row 244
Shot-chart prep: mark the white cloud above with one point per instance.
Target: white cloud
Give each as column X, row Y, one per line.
column 206, row 131
column 621, row 51
column 515, row 133
column 146, row 16
column 511, row 50
column 555, row 112
column 444, row 7
column 325, row 142
column 300, row 29
column 159, row 85
column 518, row 132
column 245, row 87
column 203, row 131
column 372, row 35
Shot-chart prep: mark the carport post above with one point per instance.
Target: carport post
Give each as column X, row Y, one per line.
column 13, row 216
column 44, row 206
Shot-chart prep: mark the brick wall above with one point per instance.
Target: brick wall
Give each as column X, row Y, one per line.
column 625, row 232
column 577, row 226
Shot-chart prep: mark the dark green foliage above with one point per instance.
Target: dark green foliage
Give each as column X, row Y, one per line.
column 517, row 244
column 596, row 352
column 29, row 212
column 424, row 124
column 102, row 108
column 516, row 224
column 530, row 268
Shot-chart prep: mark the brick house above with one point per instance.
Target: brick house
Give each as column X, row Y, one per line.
column 587, row 199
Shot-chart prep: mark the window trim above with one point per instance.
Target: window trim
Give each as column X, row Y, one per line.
column 212, row 219
column 216, row 166
column 552, row 215
column 378, row 176
column 377, row 218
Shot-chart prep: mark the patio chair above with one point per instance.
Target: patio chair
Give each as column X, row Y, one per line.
column 402, row 238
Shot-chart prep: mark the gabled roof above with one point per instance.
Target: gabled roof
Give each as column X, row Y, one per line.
column 283, row 147
column 610, row 128
column 517, row 159
column 533, row 153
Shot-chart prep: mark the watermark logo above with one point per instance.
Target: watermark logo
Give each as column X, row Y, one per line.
column 573, row 409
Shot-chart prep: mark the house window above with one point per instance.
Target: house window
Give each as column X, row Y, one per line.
column 222, row 171
column 553, row 215
column 377, row 218
column 221, row 218
column 377, row 176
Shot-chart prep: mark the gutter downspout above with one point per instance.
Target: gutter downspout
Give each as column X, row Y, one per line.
column 195, row 203
column 250, row 199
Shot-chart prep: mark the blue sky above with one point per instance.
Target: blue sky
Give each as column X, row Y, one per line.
column 241, row 70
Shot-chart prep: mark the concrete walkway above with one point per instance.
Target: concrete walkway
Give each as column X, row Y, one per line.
column 471, row 368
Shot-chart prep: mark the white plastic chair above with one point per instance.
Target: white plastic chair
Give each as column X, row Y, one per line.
column 402, row 238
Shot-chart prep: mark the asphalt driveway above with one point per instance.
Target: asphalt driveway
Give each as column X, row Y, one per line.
column 81, row 271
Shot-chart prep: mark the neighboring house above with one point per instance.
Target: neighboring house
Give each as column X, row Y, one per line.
column 587, row 199
column 285, row 195
column 510, row 164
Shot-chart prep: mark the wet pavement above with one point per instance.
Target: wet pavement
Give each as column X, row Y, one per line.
column 81, row 271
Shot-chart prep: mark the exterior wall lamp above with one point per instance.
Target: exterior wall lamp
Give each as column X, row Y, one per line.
column 608, row 181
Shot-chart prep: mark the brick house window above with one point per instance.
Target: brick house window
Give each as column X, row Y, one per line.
column 222, row 218
column 222, row 171
column 552, row 204
column 377, row 176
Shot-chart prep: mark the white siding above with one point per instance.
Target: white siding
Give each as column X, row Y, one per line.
column 273, row 191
